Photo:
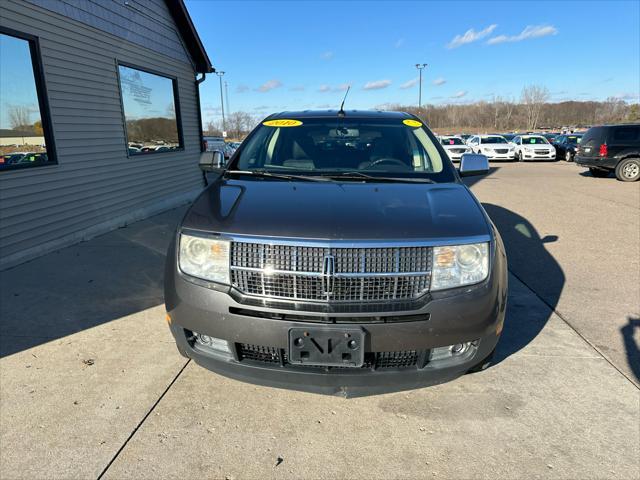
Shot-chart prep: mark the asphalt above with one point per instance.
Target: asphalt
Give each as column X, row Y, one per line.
column 91, row 384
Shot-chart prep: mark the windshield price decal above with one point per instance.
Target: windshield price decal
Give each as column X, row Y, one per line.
column 412, row 123
column 282, row 123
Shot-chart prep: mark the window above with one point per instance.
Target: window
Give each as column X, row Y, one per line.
column 493, row 140
column 624, row 134
column 150, row 105
column 319, row 146
column 534, row 141
column 451, row 141
column 25, row 130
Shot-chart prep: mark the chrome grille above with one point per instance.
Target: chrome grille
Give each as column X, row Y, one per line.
column 330, row 274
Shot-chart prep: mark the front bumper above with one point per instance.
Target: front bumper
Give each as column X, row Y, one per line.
column 469, row 314
column 535, row 156
column 498, row 156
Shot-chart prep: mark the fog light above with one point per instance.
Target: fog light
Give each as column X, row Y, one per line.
column 212, row 343
column 450, row 351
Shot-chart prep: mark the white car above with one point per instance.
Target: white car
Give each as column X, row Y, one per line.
column 533, row 147
column 454, row 146
column 495, row 147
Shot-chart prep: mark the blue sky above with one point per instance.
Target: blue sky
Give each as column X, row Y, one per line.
column 296, row 55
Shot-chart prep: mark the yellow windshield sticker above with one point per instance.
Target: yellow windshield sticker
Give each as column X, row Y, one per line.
column 412, row 123
column 282, row 123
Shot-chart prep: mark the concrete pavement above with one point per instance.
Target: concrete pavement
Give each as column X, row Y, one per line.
column 91, row 384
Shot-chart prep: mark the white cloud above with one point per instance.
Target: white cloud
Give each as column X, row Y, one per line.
column 459, row 94
column 410, row 83
column 470, row 36
column 377, row 84
column 627, row 96
column 439, row 81
column 399, row 43
column 324, row 105
column 297, row 88
column 328, row 88
column 242, row 88
column 530, row 31
column 270, row 85
column 326, row 55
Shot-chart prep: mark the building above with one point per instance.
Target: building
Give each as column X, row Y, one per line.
column 102, row 97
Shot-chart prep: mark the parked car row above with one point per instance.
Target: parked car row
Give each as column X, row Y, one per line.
column 212, row 143
column 603, row 149
column 22, row 158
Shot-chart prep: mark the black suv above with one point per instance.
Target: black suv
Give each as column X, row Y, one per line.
column 611, row 148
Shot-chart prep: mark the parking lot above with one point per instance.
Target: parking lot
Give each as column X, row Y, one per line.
column 92, row 385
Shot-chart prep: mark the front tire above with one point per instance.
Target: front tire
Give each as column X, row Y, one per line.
column 599, row 173
column 628, row 170
column 567, row 156
column 520, row 157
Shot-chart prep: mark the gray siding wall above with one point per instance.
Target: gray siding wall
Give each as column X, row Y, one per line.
column 95, row 186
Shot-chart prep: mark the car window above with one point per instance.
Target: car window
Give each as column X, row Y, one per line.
column 573, row 139
column 324, row 146
column 493, row 140
column 451, row 141
column 534, row 141
column 516, row 140
column 594, row 136
column 626, row 134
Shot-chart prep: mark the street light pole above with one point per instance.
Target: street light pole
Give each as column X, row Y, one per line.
column 420, row 66
column 226, row 96
column 220, row 74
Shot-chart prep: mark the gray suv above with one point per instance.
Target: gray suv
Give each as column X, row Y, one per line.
column 339, row 253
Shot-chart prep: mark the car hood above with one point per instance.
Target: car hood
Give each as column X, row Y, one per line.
column 338, row 211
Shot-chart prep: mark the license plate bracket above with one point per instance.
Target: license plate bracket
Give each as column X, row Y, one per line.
column 327, row 347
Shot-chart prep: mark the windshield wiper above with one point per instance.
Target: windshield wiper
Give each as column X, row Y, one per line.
column 282, row 176
column 355, row 175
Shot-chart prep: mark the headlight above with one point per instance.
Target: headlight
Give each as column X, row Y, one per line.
column 204, row 258
column 459, row 265
column 511, row 149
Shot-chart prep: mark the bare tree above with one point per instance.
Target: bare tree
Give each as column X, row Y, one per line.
column 533, row 98
column 19, row 116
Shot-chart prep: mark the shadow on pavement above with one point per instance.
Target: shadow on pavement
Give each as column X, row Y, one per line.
column 85, row 285
column 532, row 264
column 587, row 173
column 631, row 345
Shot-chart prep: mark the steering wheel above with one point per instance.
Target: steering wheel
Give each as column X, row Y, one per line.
column 393, row 161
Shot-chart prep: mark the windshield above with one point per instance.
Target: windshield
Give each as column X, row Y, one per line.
column 324, row 146
column 451, row 141
column 574, row 139
column 534, row 140
column 493, row 140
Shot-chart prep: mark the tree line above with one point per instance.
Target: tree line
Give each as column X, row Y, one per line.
column 532, row 110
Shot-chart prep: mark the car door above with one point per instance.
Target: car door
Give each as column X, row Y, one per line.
column 517, row 141
column 560, row 145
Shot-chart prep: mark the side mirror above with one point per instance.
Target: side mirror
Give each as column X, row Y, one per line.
column 212, row 161
column 473, row 164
